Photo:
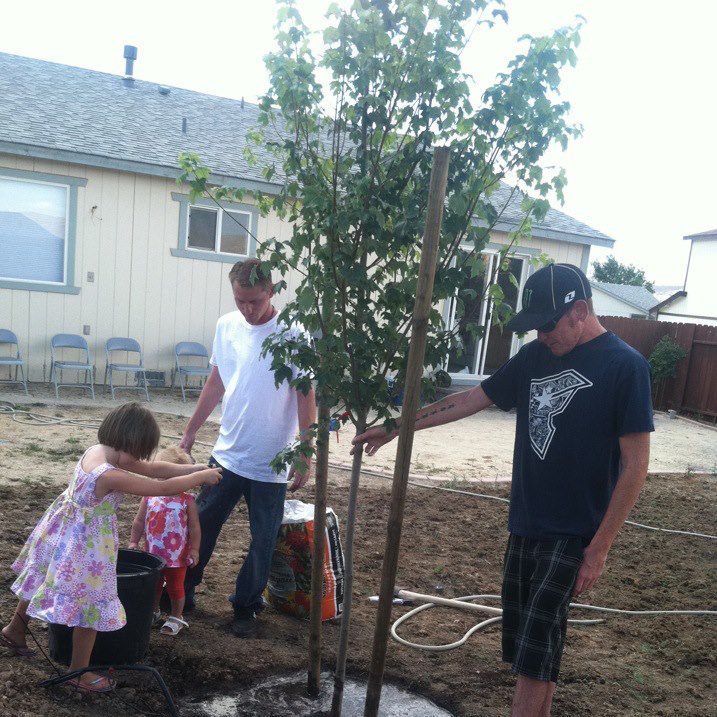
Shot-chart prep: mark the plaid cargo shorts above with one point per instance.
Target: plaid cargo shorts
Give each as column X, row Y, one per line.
column 538, row 580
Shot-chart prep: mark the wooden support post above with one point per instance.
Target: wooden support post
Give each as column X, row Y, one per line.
column 412, row 392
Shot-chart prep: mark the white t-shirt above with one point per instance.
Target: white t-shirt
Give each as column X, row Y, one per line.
column 258, row 419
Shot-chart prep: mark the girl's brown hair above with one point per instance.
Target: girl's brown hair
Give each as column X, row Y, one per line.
column 130, row 428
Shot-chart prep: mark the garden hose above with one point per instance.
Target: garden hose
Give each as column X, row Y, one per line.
column 466, row 603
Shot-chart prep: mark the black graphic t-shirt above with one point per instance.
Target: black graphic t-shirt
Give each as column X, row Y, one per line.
column 571, row 412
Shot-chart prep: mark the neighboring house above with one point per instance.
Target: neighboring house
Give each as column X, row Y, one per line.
column 88, row 163
column 622, row 300
column 665, row 291
column 696, row 302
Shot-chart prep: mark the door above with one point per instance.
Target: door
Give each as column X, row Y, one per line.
column 474, row 357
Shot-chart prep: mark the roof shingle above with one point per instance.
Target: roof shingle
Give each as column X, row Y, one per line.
column 45, row 106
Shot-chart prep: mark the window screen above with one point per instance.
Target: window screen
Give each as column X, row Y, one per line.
column 202, row 228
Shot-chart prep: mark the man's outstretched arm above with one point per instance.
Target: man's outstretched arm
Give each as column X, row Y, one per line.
column 208, row 399
column 448, row 409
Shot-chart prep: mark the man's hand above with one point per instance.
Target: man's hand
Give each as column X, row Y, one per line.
column 299, row 476
column 132, row 546
column 188, row 438
column 374, row 438
column 193, row 556
column 592, row 566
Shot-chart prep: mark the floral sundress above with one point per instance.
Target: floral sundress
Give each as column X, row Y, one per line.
column 165, row 528
column 68, row 566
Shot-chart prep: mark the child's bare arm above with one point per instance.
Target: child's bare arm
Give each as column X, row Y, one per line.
column 195, row 532
column 161, row 470
column 137, row 532
column 124, row 482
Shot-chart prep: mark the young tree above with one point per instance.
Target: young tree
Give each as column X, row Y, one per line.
column 351, row 157
column 612, row 271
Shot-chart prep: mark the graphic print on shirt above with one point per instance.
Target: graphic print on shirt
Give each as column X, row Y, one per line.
column 550, row 396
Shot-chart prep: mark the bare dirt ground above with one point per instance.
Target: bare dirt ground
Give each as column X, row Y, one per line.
column 478, row 448
column 451, row 543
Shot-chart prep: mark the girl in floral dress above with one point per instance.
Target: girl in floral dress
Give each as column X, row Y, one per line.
column 170, row 527
column 67, row 570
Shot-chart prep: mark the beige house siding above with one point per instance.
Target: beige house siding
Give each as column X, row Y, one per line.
column 127, row 225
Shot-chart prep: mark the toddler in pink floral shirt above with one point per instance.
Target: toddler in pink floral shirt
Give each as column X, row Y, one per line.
column 170, row 527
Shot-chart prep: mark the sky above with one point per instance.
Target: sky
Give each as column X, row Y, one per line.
column 644, row 171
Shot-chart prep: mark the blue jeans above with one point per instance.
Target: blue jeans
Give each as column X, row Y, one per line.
column 265, row 502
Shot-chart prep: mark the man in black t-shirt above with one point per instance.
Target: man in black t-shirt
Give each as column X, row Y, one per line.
column 582, row 444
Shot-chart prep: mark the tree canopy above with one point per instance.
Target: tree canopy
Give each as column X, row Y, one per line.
column 349, row 137
column 611, row 271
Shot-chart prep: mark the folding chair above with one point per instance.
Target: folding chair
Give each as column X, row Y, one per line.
column 189, row 348
column 8, row 337
column 71, row 341
column 131, row 346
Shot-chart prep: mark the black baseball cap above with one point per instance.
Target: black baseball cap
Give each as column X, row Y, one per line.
column 548, row 294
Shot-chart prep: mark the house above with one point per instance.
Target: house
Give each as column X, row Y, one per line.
column 622, row 300
column 696, row 302
column 88, row 162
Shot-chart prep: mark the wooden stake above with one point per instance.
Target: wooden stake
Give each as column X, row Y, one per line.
column 412, row 391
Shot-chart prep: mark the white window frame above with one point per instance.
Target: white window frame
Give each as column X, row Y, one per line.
column 478, row 367
column 66, row 237
column 218, row 230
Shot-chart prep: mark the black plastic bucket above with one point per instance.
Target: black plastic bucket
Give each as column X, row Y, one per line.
column 137, row 575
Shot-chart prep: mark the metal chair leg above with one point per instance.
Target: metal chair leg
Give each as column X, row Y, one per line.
column 146, row 391
column 92, row 382
column 104, row 383
column 182, row 384
column 24, row 380
column 53, row 378
column 112, row 385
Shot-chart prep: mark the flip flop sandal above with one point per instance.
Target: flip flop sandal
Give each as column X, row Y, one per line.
column 173, row 625
column 17, row 650
column 91, row 687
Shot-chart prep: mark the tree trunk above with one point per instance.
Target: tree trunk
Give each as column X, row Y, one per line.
column 414, row 370
column 317, row 564
column 340, row 672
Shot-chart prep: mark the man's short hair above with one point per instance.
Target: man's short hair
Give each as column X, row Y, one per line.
column 249, row 273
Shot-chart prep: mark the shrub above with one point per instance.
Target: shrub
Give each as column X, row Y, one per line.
column 664, row 358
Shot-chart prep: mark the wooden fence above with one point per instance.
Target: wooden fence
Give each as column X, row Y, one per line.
column 694, row 387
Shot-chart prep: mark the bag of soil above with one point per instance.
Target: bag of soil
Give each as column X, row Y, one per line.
column 289, row 586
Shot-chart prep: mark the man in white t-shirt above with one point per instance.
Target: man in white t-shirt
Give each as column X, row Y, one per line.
column 258, row 421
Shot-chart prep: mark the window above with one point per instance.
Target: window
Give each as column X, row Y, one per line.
column 33, row 231
column 224, row 232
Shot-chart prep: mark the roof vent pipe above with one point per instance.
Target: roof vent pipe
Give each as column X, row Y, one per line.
column 184, row 125
column 130, row 55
